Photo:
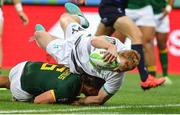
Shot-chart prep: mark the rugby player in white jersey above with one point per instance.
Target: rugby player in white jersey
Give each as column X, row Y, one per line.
column 74, row 52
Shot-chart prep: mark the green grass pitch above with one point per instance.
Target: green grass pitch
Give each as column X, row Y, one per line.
column 130, row 99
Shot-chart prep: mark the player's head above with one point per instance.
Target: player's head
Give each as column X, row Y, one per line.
column 128, row 59
column 91, row 84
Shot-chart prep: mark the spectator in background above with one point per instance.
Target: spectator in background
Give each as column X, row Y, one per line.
column 22, row 15
column 161, row 9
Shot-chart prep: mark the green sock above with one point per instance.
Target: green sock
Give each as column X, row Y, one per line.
column 152, row 70
column 164, row 61
column 153, row 73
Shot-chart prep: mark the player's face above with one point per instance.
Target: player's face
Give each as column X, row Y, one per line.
column 129, row 59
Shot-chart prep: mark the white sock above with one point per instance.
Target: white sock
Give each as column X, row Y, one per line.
column 82, row 20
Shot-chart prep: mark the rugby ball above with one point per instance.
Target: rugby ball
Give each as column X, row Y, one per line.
column 96, row 59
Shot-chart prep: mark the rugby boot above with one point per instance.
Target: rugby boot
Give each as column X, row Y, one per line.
column 152, row 82
column 74, row 10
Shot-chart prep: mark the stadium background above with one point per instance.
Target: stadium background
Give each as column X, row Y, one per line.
column 16, row 45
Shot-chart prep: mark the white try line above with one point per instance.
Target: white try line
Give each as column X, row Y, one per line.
column 3, row 88
column 90, row 108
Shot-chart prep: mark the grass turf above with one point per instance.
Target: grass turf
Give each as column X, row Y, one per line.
column 130, row 99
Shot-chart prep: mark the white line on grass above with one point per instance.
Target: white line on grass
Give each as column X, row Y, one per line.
column 3, row 89
column 90, row 108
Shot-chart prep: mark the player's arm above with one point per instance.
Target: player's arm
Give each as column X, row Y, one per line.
column 19, row 9
column 100, row 99
column 171, row 2
column 168, row 8
column 101, row 42
column 45, row 98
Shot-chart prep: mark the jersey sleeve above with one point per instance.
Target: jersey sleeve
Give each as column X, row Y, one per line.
column 123, row 46
column 59, row 98
column 113, row 82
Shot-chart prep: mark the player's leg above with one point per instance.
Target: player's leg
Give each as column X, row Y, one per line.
column 67, row 19
column 163, row 55
column 161, row 34
column 163, row 52
column 42, row 37
column 162, row 30
column 79, row 16
column 104, row 30
column 73, row 22
column 148, row 44
column 128, row 28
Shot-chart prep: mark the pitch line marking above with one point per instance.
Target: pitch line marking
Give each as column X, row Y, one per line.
column 90, row 108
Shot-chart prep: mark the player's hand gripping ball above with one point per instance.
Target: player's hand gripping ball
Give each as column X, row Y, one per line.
column 96, row 59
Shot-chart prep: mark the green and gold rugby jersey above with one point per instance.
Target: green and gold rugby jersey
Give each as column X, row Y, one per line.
column 158, row 5
column 38, row 77
column 136, row 4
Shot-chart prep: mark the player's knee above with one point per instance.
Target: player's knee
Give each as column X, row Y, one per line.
column 64, row 17
column 147, row 40
column 128, row 28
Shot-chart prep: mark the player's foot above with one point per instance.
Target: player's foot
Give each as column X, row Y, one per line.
column 39, row 27
column 152, row 82
column 168, row 81
column 74, row 10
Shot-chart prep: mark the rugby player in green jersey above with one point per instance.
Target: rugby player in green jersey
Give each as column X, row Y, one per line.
column 161, row 9
column 22, row 15
column 41, row 82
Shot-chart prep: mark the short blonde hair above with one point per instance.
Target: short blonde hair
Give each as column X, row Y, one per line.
column 132, row 58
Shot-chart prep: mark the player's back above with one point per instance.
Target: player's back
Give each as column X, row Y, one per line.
column 39, row 77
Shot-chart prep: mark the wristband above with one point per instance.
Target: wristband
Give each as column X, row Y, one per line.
column 18, row 7
column 168, row 8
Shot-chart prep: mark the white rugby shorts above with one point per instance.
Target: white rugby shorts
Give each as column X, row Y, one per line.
column 143, row 16
column 15, row 80
column 162, row 26
column 60, row 49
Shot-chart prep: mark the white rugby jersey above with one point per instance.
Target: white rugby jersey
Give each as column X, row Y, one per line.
column 80, row 59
